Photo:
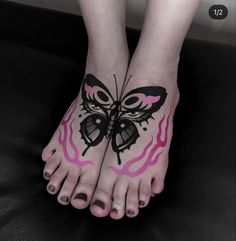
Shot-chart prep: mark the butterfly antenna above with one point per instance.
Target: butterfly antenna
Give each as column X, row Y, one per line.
column 124, row 86
column 127, row 82
column 117, row 97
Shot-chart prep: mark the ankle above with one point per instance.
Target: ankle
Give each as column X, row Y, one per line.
column 105, row 59
column 156, row 72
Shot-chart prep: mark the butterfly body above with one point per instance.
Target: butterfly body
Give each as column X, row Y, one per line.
column 115, row 108
column 116, row 119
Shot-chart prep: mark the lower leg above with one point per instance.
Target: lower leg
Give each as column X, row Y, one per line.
column 156, row 57
column 107, row 49
column 165, row 26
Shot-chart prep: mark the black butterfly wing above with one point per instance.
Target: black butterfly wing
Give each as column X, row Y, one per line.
column 95, row 95
column 139, row 104
column 124, row 136
column 93, row 129
column 97, row 101
column 136, row 106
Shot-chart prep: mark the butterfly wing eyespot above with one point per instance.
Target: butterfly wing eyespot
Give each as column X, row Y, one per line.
column 95, row 94
column 139, row 104
column 92, row 107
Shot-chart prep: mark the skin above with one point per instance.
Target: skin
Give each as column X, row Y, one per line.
column 117, row 118
column 152, row 150
column 66, row 132
column 110, row 188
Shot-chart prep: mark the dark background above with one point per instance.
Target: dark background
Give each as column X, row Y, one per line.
column 42, row 57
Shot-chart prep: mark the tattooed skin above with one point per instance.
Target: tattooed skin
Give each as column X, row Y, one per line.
column 65, row 132
column 153, row 152
column 116, row 119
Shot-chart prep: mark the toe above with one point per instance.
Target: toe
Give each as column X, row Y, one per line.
column 157, row 185
column 68, row 186
column 84, row 190
column 132, row 201
column 101, row 201
column 118, row 203
column 144, row 193
column 50, row 166
column 57, row 179
column 48, row 151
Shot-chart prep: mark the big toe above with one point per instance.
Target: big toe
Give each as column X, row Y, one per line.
column 102, row 198
column 84, row 189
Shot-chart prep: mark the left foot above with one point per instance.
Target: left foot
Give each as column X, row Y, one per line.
column 136, row 160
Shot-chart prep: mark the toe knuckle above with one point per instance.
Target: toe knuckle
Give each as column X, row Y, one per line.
column 133, row 202
column 117, row 196
column 146, row 192
column 70, row 180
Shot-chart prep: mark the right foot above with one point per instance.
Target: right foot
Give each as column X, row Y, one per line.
column 74, row 154
column 136, row 159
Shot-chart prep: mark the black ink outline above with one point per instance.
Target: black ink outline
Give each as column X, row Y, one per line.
column 115, row 120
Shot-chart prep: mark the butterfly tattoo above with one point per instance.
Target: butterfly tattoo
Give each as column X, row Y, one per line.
column 116, row 119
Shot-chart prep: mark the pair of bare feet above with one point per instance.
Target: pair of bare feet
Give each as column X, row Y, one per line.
column 110, row 151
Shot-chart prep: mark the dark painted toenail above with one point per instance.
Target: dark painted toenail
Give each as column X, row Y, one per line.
column 99, row 204
column 130, row 212
column 141, row 203
column 81, row 196
column 114, row 210
column 47, row 174
column 65, row 199
column 51, row 188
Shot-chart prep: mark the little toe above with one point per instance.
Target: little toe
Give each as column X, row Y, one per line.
column 48, row 151
column 68, row 186
column 132, row 201
column 84, row 190
column 118, row 203
column 57, row 179
column 50, row 166
column 101, row 201
column 144, row 193
column 157, row 185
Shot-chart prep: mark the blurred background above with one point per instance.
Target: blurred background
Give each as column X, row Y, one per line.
column 203, row 26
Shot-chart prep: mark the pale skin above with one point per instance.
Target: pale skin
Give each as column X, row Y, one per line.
column 99, row 173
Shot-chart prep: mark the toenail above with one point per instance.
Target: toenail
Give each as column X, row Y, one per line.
column 51, row 188
column 141, row 203
column 47, row 174
column 114, row 210
column 99, row 204
column 65, row 199
column 81, row 196
column 130, row 212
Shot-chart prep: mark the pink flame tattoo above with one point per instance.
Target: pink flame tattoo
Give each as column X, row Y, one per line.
column 153, row 155
column 68, row 133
